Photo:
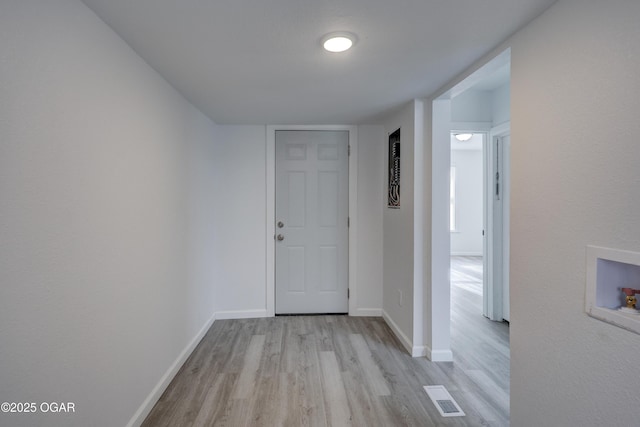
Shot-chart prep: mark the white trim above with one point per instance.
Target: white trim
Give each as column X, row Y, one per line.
column 495, row 241
column 404, row 340
column 419, row 171
column 487, row 188
column 439, row 355
column 270, row 203
column 353, row 216
column 466, row 254
column 472, row 127
column 419, row 351
column 270, row 184
column 434, row 356
column 153, row 397
column 241, row 314
column 366, row 312
column 502, row 129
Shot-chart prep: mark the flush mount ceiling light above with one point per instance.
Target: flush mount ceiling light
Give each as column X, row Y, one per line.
column 339, row 41
column 463, row 137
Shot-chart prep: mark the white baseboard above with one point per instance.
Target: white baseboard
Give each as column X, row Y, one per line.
column 367, row 312
column 406, row 342
column 157, row 391
column 419, row 351
column 439, row 355
column 250, row 314
column 241, row 314
column 466, row 254
column 434, row 356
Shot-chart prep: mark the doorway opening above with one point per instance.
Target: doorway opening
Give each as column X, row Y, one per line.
column 466, row 223
column 476, row 287
column 479, row 339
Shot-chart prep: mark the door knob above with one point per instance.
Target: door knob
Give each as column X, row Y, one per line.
column 280, row 237
column 280, row 224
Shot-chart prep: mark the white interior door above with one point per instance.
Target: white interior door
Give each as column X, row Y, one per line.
column 312, row 205
column 506, row 202
column 497, row 191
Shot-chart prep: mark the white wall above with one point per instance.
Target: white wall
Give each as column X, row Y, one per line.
column 371, row 204
column 104, row 221
column 408, row 239
column 484, row 106
column 436, row 289
column 202, row 275
column 467, row 239
column 240, row 248
column 472, row 106
column 398, row 229
column 575, row 181
column 501, row 104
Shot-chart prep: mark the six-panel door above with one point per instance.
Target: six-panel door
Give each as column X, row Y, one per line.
column 312, row 184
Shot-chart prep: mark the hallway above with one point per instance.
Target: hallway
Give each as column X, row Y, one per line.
column 480, row 346
column 341, row 370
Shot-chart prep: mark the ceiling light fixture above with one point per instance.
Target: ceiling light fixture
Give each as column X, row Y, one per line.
column 339, row 41
column 463, row 137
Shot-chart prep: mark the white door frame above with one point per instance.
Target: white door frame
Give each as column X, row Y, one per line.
column 270, row 182
column 497, row 233
column 442, row 125
column 495, row 240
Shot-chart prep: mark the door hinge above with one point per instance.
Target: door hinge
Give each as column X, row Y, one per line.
column 348, row 222
column 348, row 150
column 348, row 293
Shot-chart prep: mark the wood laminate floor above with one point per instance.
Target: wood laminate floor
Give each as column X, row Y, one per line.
column 337, row 371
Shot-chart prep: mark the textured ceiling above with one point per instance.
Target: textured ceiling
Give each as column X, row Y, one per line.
column 261, row 62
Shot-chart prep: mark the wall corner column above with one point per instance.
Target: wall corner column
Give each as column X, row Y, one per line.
column 437, row 289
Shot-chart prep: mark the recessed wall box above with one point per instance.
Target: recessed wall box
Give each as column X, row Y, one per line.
column 608, row 272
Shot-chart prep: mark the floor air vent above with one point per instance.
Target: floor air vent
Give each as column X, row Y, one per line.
column 444, row 403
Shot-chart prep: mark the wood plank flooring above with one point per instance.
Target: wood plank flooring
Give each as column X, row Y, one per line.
column 337, row 371
column 466, row 273
column 480, row 346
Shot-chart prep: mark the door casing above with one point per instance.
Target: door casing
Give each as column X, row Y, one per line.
column 270, row 213
column 312, row 209
column 496, row 250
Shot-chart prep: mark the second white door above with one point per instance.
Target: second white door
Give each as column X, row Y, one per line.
column 312, row 182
